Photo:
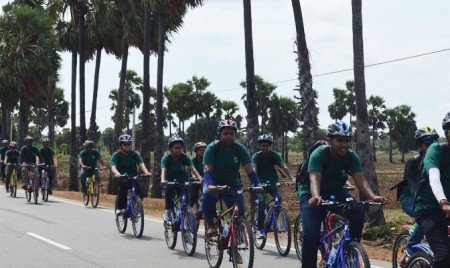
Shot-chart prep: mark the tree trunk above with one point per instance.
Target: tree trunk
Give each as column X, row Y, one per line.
column 390, row 149
column 82, row 44
column 159, row 147
column 145, row 145
column 308, row 96
column 73, row 170
column 252, row 107
column 375, row 213
column 50, row 107
column 375, row 136
column 23, row 117
column 92, row 133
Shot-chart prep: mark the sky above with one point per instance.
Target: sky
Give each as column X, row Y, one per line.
column 211, row 44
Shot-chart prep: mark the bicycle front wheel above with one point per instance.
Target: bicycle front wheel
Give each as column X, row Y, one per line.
column 259, row 243
column 282, row 232
column 95, row 197
column 86, row 196
column 189, row 232
column 44, row 190
column 28, row 194
column 170, row 234
column 13, row 187
column 137, row 220
column 419, row 260
column 399, row 255
column 36, row 191
column 242, row 245
column 356, row 256
column 298, row 236
column 213, row 248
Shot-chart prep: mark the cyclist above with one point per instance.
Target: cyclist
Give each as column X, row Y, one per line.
column 197, row 160
column 126, row 161
column 173, row 168
column 3, row 151
column 50, row 160
column 406, row 189
column 433, row 191
column 11, row 157
column 88, row 162
column 28, row 154
column 330, row 180
column 221, row 163
column 264, row 162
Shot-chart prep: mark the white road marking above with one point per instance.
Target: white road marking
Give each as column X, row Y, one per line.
column 48, row 241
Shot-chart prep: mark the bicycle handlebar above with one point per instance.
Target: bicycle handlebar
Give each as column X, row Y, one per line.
column 336, row 203
column 133, row 177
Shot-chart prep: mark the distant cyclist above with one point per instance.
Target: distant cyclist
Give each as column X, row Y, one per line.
column 264, row 163
column 197, row 160
column 327, row 180
column 431, row 199
column 28, row 155
column 173, row 167
column 48, row 155
column 221, row 164
column 88, row 162
column 11, row 157
column 126, row 161
column 3, row 150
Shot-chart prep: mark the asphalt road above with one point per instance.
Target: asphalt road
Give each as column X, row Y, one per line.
column 64, row 233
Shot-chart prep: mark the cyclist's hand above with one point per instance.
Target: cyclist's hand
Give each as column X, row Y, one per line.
column 148, row 174
column 212, row 188
column 315, row 201
column 117, row 176
column 380, row 199
column 446, row 209
column 164, row 183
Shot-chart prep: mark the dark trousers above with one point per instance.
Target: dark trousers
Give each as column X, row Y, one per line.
column 194, row 194
column 3, row 170
column 262, row 205
column 49, row 174
column 124, row 186
column 170, row 194
column 434, row 225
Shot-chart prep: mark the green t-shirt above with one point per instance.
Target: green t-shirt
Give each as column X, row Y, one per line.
column 334, row 178
column 176, row 168
column 226, row 162
column 3, row 151
column 90, row 158
column 28, row 155
column 126, row 163
column 424, row 197
column 264, row 166
column 13, row 157
column 47, row 155
column 405, row 193
column 198, row 164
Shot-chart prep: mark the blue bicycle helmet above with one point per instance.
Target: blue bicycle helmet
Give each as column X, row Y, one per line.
column 175, row 139
column 265, row 138
column 124, row 138
column 339, row 128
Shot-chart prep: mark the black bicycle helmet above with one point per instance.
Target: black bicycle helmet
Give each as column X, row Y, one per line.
column 175, row 139
column 339, row 128
column 199, row 145
column 124, row 138
column 226, row 123
column 425, row 134
column 265, row 138
column 446, row 122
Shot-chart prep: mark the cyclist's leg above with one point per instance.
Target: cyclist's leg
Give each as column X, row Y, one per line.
column 138, row 188
column 357, row 214
column 170, row 192
column 229, row 202
column 83, row 177
column 50, row 178
column 3, row 171
column 311, row 221
column 8, row 171
column 25, row 177
column 209, row 204
column 274, row 191
column 417, row 234
column 122, row 194
column 261, row 208
column 97, row 176
column 434, row 225
column 37, row 177
column 193, row 194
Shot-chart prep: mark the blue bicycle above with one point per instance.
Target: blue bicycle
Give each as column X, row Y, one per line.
column 183, row 218
column 276, row 220
column 134, row 210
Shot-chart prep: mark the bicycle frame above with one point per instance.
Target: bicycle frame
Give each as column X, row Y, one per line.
column 179, row 202
column 130, row 209
column 272, row 221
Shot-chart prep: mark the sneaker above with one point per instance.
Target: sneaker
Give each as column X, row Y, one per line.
column 50, row 191
column 212, row 231
column 167, row 216
column 260, row 234
column 120, row 212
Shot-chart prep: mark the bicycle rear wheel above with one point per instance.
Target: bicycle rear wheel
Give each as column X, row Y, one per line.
column 298, row 236
column 399, row 255
column 242, row 247
column 283, row 232
column 419, row 260
column 213, row 248
column 170, row 234
column 356, row 256
column 36, row 190
column 259, row 243
column 189, row 233
column 28, row 194
column 44, row 190
column 137, row 220
column 95, row 197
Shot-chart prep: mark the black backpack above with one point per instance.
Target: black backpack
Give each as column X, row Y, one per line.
column 302, row 175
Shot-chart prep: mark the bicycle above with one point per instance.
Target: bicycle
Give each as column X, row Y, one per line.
column 13, row 180
column 234, row 235
column 45, row 184
column 336, row 247
column 276, row 220
column 184, row 219
column 399, row 253
column 33, row 185
column 134, row 210
column 92, row 190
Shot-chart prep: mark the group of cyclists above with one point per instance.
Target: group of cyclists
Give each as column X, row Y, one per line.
column 423, row 194
column 25, row 159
